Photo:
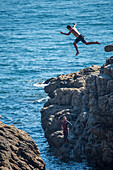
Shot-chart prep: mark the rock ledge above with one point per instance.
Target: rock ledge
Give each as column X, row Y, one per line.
column 86, row 99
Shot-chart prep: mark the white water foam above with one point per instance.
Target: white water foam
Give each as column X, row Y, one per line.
column 40, row 85
column 41, row 100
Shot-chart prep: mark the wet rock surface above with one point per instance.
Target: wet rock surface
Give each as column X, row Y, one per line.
column 108, row 48
column 86, row 99
column 18, row 150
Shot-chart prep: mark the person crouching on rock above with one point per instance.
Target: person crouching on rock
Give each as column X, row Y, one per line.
column 65, row 127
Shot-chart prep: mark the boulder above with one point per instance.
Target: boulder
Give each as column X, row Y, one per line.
column 18, row 150
column 108, row 48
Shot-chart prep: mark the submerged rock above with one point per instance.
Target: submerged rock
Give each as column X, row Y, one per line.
column 18, row 150
column 86, row 99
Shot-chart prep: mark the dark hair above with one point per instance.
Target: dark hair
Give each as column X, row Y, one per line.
column 68, row 26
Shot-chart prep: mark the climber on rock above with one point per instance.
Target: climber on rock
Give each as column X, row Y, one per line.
column 65, row 127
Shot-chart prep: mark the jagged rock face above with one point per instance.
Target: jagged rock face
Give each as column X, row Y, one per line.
column 86, row 99
column 18, row 150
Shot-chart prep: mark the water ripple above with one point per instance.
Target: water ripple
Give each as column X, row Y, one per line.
column 33, row 50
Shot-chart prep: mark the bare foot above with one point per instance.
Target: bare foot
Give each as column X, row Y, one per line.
column 77, row 53
column 98, row 42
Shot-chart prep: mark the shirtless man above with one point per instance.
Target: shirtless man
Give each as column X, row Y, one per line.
column 79, row 36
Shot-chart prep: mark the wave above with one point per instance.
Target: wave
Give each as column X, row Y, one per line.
column 41, row 100
column 40, row 84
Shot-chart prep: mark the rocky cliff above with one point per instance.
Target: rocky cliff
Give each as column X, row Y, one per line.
column 18, row 150
column 86, row 99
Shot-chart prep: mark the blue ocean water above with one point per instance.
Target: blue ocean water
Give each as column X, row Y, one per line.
column 33, row 50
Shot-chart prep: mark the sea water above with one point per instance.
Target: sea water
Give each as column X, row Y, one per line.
column 32, row 50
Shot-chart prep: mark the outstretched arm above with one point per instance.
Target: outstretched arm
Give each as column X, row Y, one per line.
column 74, row 25
column 66, row 33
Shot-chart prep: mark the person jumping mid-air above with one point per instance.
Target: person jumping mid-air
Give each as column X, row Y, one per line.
column 79, row 36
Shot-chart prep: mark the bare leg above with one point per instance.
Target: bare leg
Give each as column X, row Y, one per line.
column 76, row 48
column 88, row 43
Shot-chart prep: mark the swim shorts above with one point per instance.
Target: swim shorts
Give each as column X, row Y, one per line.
column 80, row 38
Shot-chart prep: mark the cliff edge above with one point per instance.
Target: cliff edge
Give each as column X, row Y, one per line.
column 86, row 99
column 18, row 150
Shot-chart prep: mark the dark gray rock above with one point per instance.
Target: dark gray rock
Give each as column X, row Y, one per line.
column 18, row 150
column 86, row 99
column 108, row 48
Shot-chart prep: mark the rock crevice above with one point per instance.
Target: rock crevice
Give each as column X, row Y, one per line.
column 86, row 99
column 18, row 150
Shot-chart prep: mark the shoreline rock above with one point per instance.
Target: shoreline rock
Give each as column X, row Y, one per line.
column 18, row 150
column 86, row 99
column 108, row 48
